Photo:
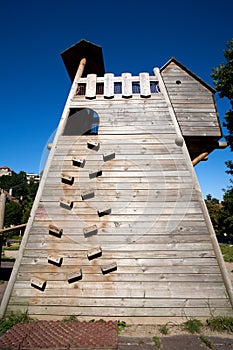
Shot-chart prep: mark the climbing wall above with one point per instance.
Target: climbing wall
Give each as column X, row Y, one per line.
column 119, row 229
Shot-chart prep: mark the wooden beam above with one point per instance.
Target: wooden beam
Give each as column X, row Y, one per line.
column 222, row 145
column 202, row 156
column 13, row 228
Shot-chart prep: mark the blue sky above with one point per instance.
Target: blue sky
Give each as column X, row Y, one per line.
column 136, row 36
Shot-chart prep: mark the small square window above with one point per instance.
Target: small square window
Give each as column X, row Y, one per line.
column 81, row 90
column 154, row 87
column 118, row 88
column 136, row 87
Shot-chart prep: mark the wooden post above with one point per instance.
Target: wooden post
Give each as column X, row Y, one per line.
column 2, row 208
column 199, row 158
column 2, row 214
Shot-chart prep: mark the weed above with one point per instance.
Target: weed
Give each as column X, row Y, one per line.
column 206, row 341
column 14, row 246
column 141, row 342
column 220, row 324
column 1, row 281
column 70, row 318
column 227, row 252
column 164, row 330
column 193, row 326
column 157, row 342
column 12, row 319
column 121, row 325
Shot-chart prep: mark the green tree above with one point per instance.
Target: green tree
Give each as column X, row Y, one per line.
column 13, row 214
column 223, row 80
column 24, row 192
column 226, row 214
column 214, row 208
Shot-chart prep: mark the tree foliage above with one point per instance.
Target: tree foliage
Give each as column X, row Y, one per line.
column 223, row 80
column 18, row 210
column 222, row 217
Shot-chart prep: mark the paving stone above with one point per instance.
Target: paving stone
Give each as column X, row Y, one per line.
column 221, row 343
column 61, row 335
column 135, row 343
column 182, row 342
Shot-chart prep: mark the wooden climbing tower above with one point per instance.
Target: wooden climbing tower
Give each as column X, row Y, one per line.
column 119, row 228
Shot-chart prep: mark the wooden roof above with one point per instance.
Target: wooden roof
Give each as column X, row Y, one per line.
column 84, row 49
column 173, row 59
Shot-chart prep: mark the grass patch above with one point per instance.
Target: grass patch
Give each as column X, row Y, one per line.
column 70, row 318
column 206, row 341
column 157, row 342
column 14, row 246
column 220, row 324
column 6, row 258
column 121, row 325
column 227, row 251
column 193, row 326
column 12, row 319
column 163, row 330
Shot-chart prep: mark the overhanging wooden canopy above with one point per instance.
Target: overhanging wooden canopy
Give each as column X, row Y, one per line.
column 84, row 49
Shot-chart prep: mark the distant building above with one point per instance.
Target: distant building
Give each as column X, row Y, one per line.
column 35, row 177
column 4, row 170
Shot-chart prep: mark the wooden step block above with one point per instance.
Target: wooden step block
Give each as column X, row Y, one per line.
column 95, row 173
column 55, row 231
column 105, row 211
column 67, row 179
column 79, row 162
column 38, row 283
column 108, row 156
column 55, row 260
column 90, row 231
column 66, row 204
column 87, row 195
column 74, row 276
column 94, row 253
column 93, row 145
column 109, row 268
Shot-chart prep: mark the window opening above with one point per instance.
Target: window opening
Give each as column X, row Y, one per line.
column 154, row 87
column 99, row 88
column 136, row 87
column 81, row 90
column 82, row 121
column 117, row 88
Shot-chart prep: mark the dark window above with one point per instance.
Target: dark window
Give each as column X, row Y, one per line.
column 118, row 88
column 99, row 88
column 82, row 121
column 136, row 87
column 154, row 87
column 81, row 90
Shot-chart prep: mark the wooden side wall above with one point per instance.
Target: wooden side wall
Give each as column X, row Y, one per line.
column 151, row 257
column 193, row 103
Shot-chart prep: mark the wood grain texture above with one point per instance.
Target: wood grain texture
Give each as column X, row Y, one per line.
column 156, row 232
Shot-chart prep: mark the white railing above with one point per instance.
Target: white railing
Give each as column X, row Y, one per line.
column 109, row 86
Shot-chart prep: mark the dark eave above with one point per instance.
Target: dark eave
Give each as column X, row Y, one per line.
column 84, row 49
column 173, row 59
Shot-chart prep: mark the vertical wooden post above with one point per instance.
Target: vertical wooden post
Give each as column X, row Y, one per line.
column 1, row 238
column 2, row 208
column 2, row 214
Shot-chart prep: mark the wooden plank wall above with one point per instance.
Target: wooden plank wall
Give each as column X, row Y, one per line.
column 193, row 103
column 150, row 258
